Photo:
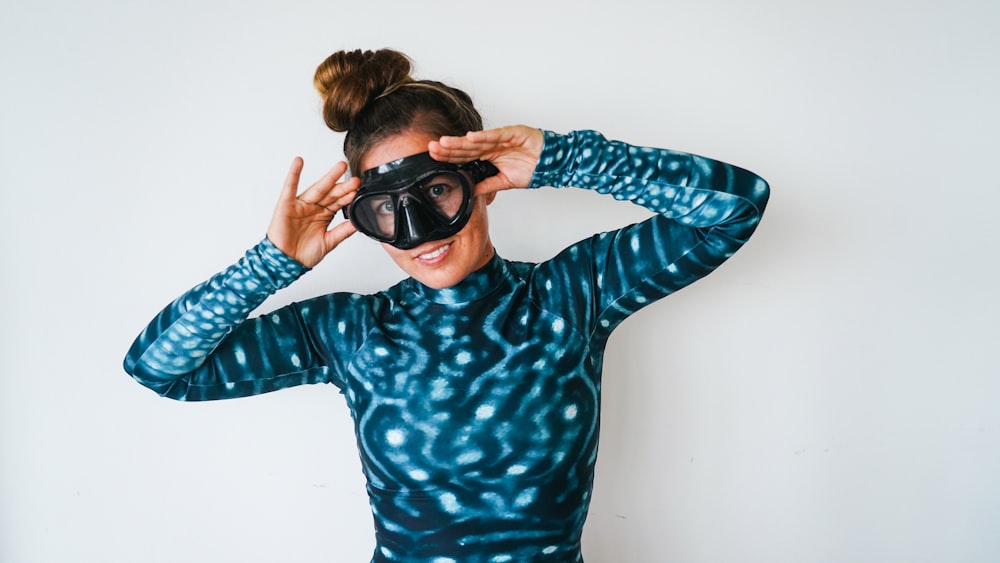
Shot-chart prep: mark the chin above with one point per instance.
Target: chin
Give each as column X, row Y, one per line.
column 438, row 282
column 441, row 276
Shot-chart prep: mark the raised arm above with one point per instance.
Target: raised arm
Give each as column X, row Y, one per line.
column 706, row 210
column 202, row 346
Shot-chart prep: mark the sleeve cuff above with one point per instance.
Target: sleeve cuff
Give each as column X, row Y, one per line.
column 553, row 163
column 274, row 267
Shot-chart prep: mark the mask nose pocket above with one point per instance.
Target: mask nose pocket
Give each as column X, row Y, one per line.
column 414, row 221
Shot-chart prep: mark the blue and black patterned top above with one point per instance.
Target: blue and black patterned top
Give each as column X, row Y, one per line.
column 475, row 407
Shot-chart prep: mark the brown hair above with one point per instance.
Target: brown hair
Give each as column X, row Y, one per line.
column 371, row 96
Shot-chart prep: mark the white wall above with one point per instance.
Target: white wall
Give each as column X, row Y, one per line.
column 851, row 415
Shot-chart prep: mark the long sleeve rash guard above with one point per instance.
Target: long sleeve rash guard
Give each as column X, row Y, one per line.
column 475, row 407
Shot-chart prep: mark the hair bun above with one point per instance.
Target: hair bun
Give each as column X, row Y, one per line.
column 349, row 80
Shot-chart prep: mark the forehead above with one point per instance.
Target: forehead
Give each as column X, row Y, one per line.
column 396, row 147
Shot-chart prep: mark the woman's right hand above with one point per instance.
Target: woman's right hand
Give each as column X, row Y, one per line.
column 300, row 226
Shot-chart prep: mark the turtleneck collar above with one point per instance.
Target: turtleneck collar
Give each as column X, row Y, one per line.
column 475, row 286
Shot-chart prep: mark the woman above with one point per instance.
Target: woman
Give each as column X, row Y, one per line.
column 474, row 384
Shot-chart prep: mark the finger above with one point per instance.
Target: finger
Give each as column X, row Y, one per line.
column 291, row 186
column 466, row 143
column 341, row 195
column 492, row 184
column 336, row 204
column 322, row 187
column 520, row 136
column 456, row 143
column 511, row 135
column 324, row 184
column 496, row 135
column 460, row 154
column 339, row 234
column 476, row 144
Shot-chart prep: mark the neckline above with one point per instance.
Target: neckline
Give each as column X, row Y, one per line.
column 475, row 286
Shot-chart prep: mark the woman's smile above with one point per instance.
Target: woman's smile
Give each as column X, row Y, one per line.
column 434, row 256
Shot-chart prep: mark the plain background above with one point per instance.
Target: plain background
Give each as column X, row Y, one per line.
column 828, row 395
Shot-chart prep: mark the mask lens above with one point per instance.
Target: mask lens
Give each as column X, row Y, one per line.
column 444, row 193
column 377, row 214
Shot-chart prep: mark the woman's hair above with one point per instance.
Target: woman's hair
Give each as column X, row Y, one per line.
column 371, row 96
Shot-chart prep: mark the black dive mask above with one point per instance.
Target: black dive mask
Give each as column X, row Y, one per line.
column 415, row 199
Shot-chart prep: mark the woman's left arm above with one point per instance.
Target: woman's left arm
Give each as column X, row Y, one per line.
column 706, row 210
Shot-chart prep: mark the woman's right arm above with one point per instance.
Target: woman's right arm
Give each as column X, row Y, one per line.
column 202, row 346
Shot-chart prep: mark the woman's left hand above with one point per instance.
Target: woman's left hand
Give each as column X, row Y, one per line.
column 514, row 150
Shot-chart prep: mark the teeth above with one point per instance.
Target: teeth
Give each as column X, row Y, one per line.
column 434, row 254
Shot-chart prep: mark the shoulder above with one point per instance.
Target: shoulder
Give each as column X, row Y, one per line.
column 356, row 310
column 569, row 272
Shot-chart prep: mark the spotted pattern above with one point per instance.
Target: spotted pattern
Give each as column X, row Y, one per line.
column 476, row 407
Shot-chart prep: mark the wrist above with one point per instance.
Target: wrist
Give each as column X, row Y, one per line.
column 275, row 265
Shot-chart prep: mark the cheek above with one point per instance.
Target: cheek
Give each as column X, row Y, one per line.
column 479, row 221
column 396, row 254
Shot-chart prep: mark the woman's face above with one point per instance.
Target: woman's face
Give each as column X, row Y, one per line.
column 437, row 263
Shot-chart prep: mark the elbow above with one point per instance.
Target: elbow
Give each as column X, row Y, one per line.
column 761, row 194
column 752, row 187
column 162, row 384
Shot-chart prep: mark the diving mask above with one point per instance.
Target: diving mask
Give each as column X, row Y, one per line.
column 416, row 199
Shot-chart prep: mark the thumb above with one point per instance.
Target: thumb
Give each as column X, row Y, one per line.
column 493, row 184
column 333, row 237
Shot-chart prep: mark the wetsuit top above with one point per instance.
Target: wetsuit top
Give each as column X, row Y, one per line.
column 475, row 407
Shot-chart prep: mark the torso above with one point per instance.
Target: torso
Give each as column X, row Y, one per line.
column 477, row 426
